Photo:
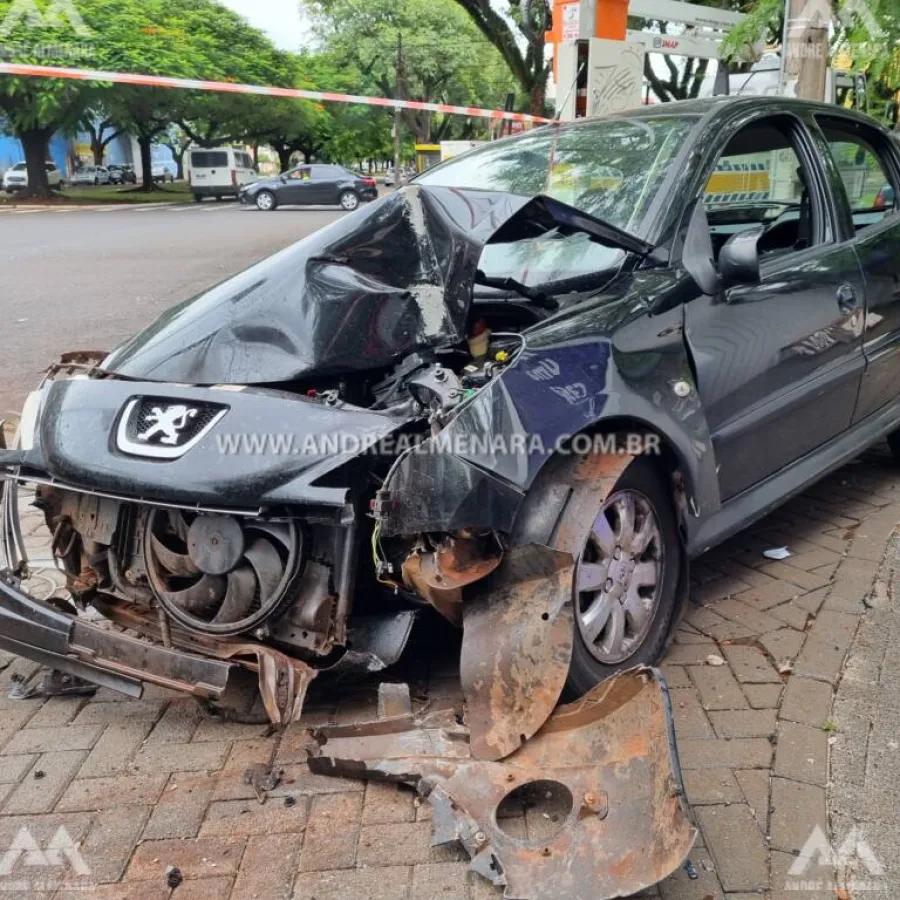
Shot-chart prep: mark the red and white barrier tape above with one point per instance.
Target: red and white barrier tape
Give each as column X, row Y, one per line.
column 230, row 88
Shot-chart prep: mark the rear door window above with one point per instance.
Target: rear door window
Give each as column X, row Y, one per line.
column 209, row 159
column 865, row 170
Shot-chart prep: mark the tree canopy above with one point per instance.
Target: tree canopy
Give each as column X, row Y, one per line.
column 425, row 50
column 866, row 38
column 519, row 38
column 178, row 38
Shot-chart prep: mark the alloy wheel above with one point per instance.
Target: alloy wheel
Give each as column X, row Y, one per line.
column 265, row 201
column 349, row 201
column 619, row 578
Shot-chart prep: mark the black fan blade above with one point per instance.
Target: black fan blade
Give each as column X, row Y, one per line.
column 178, row 524
column 238, row 598
column 267, row 564
column 277, row 530
column 200, row 597
column 174, row 563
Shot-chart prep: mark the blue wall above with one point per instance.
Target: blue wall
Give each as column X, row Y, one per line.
column 119, row 151
column 11, row 151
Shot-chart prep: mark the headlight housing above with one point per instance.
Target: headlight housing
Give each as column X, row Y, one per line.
column 28, row 422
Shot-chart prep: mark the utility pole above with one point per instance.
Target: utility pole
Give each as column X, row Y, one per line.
column 398, row 115
column 805, row 48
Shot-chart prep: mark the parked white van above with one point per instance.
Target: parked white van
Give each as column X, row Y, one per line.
column 219, row 172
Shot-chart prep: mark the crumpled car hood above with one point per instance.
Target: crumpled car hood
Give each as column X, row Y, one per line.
column 374, row 286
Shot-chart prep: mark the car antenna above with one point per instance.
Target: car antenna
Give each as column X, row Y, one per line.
column 562, row 105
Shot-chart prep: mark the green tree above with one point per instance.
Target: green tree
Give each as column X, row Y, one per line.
column 347, row 132
column 404, row 49
column 867, row 35
column 100, row 127
column 239, row 53
column 190, row 39
column 34, row 109
column 289, row 127
column 178, row 142
column 525, row 22
column 180, row 38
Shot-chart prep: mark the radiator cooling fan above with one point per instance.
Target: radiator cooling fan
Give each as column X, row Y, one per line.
column 220, row 574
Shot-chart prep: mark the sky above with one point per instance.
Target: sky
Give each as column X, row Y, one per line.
column 280, row 19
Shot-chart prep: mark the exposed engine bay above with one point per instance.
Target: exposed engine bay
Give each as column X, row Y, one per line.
column 280, row 577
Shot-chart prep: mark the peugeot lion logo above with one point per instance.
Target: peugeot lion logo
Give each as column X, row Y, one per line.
column 159, row 428
column 169, row 422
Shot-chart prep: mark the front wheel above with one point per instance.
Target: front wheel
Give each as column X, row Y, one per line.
column 265, row 200
column 349, row 200
column 628, row 581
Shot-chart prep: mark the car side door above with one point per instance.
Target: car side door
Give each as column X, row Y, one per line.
column 779, row 360
column 297, row 186
column 868, row 168
column 325, row 185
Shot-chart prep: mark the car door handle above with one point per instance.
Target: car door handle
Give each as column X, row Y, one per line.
column 847, row 298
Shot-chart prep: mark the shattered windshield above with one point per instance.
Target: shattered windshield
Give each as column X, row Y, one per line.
column 611, row 168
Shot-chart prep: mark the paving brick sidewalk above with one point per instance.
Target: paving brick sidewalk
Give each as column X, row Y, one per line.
column 864, row 800
column 142, row 785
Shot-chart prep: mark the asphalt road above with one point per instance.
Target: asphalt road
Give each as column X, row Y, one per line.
column 87, row 279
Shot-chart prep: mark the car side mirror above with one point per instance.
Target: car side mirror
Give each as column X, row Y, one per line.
column 739, row 258
column 698, row 255
column 283, row 179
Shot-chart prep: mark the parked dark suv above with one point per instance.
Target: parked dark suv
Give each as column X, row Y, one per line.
column 315, row 185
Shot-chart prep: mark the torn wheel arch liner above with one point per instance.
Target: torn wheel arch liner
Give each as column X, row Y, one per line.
column 613, row 752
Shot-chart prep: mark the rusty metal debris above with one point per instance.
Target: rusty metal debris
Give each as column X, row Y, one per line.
column 605, row 770
column 440, row 576
column 393, row 700
column 517, row 648
column 283, row 681
column 519, row 622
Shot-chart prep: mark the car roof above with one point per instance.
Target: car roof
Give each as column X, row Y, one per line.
column 711, row 106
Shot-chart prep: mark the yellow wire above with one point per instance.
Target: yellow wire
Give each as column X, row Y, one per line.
column 376, row 559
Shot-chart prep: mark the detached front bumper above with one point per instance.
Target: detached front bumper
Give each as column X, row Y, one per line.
column 38, row 631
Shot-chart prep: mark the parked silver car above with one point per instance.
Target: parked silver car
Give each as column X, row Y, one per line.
column 91, row 175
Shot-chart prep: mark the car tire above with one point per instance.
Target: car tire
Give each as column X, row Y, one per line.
column 198, row 198
column 349, row 200
column 96, row 182
column 595, row 660
column 266, row 201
